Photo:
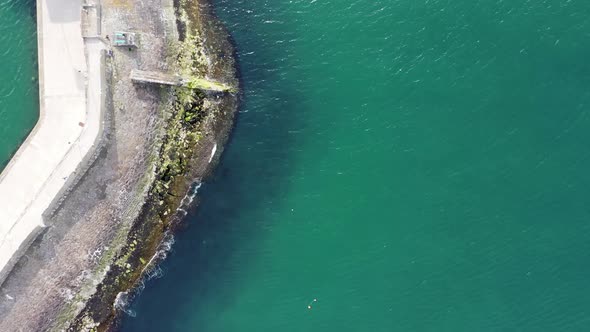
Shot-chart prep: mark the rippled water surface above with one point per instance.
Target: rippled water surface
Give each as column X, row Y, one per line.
column 19, row 95
column 411, row 165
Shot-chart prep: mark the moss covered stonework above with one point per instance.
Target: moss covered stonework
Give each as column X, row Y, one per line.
column 195, row 122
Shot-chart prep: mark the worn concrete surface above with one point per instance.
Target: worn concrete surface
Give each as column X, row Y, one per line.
column 62, row 266
column 67, row 128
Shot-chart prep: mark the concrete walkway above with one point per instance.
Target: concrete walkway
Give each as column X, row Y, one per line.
column 67, row 129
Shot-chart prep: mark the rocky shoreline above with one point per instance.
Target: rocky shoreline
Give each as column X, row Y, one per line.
column 197, row 131
column 108, row 234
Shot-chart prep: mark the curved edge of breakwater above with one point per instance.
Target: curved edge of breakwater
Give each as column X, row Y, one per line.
column 151, row 236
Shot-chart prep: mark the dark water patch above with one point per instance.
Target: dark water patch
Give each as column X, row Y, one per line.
column 19, row 92
column 210, row 229
column 410, row 165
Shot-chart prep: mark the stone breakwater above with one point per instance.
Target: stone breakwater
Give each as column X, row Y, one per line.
column 106, row 235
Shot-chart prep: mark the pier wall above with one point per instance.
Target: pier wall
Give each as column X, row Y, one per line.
column 68, row 126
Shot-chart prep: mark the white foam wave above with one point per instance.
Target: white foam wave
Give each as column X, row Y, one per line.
column 163, row 250
column 122, row 303
column 213, row 152
column 188, row 199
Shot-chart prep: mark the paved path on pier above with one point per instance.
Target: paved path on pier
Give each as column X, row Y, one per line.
column 67, row 128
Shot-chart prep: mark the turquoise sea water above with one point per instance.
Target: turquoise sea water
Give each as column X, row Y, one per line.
column 412, row 165
column 19, row 94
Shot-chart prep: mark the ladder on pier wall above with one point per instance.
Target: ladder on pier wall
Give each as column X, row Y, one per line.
column 153, row 77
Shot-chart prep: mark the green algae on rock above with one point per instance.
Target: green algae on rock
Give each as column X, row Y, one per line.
column 197, row 123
